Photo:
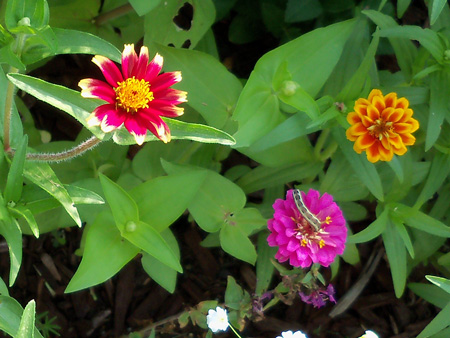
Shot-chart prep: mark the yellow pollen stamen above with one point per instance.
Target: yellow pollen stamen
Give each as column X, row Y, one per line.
column 327, row 220
column 321, row 243
column 303, row 242
column 380, row 128
column 133, row 94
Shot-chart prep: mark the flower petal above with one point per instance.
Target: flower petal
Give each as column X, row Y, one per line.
column 136, row 126
column 353, row 118
column 364, row 141
column 165, row 80
column 141, row 68
column 154, row 68
column 372, row 153
column 159, row 128
column 109, row 69
column 92, row 88
column 163, row 110
column 129, row 60
column 99, row 113
column 112, row 120
column 171, row 96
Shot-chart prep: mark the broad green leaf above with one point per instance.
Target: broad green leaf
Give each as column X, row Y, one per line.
column 436, row 9
column 353, row 212
column 105, row 253
column 21, row 211
column 212, row 90
column 43, row 176
column 26, row 327
column 397, row 168
column 438, row 107
column 396, row 253
column 405, row 51
column 216, row 199
column 310, row 59
column 440, row 322
column 76, row 14
column 428, row 38
column 351, row 254
column 440, row 169
column 233, row 294
column 14, row 183
column 402, row 6
column 170, row 197
column 148, row 239
column 264, row 177
column 443, row 283
column 417, row 219
column 159, row 272
column 35, row 10
column 431, row 293
column 182, row 131
column 123, row 207
column 302, row 10
column 66, row 99
column 355, row 85
column 142, row 7
column 76, row 42
column 376, row 228
column 3, row 288
column 365, row 170
column 162, row 27
column 264, row 268
column 10, row 315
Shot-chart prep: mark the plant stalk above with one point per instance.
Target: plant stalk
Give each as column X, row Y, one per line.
column 115, row 13
column 8, row 112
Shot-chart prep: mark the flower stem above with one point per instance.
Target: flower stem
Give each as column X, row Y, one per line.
column 329, row 151
column 8, row 112
column 64, row 155
column 234, row 330
column 321, row 141
column 115, row 13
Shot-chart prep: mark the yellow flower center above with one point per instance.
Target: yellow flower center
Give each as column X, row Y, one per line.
column 380, row 129
column 133, row 94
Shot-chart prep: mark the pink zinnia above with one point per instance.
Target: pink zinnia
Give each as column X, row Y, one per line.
column 297, row 239
column 137, row 96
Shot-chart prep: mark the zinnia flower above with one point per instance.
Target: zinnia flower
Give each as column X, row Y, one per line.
column 319, row 296
column 369, row 334
column 290, row 334
column 217, row 319
column 137, row 96
column 298, row 240
column 381, row 126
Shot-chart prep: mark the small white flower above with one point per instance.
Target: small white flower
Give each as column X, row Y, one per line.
column 369, row 334
column 290, row 334
column 217, row 320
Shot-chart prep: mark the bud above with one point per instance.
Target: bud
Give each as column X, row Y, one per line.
column 289, row 88
column 130, row 226
column 25, row 21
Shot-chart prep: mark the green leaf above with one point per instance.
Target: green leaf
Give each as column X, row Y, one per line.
column 440, row 169
column 440, row 322
column 436, row 9
column 365, row 170
column 142, row 7
column 14, row 183
column 42, row 175
column 35, row 10
column 214, row 100
column 264, row 268
column 417, row 219
column 26, row 327
column 66, row 99
column 438, row 107
column 145, row 237
column 263, row 177
column 3, row 288
column 443, row 283
column 428, row 38
column 20, row 211
column 182, row 131
column 159, row 272
column 234, row 242
column 401, row 229
column 76, row 42
column 302, row 10
column 161, row 27
column 123, row 207
column 431, row 293
column 171, row 196
column 376, row 228
column 396, row 253
column 233, row 294
column 105, row 253
column 10, row 315
column 405, row 51
column 310, row 59
column 402, row 6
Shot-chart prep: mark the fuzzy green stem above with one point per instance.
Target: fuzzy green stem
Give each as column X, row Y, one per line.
column 113, row 14
column 8, row 112
column 64, row 155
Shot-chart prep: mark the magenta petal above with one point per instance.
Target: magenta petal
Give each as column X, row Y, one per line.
column 92, row 88
column 103, row 110
column 110, row 71
column 129, row 59
column 165, row 80
column 112, row 120
column 154, row 68
column 141, row 67
column 163, row 110
column 170, row 96
column 136, row 127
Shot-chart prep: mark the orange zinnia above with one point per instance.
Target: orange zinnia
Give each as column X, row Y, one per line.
column 381, row 126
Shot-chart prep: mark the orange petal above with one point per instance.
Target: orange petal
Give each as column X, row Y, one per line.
column 373, row 155
column 397, row 142
column 408, row 139
column 357, row 129
column 373, row 113
column 403, row 128
column 414, row 125
column 378, row 102
column 393, row 114
column 391, row 99
column 364, row 141
column 406, row 115
column 402, row 103
column 373, row 93
column 385, row 154
column 353, row 118
column 385, row 143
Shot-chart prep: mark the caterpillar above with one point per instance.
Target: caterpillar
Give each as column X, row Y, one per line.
column 308, row 215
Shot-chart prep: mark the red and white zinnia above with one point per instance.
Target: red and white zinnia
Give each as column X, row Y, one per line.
column 136, row 97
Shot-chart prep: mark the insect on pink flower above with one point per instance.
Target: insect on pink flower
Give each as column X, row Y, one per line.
column 136, row 97
column 308, row 229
